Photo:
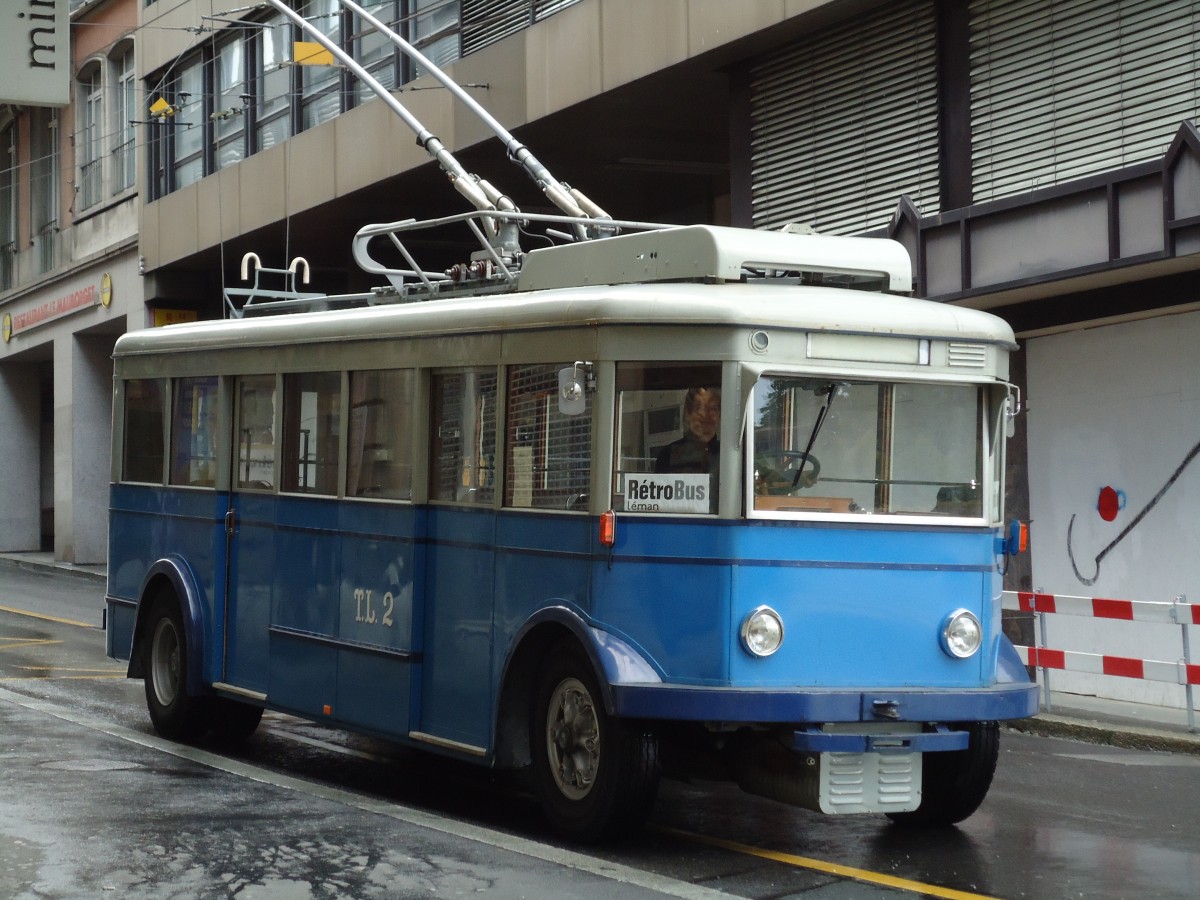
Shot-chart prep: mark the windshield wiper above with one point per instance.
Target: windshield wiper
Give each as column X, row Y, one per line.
column 812, row 438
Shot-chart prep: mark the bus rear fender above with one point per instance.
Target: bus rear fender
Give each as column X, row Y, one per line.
column 613, row 661
column 173, row 577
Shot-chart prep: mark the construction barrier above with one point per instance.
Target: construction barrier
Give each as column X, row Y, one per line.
column 1182, row 671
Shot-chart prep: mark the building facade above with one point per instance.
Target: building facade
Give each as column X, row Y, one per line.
column 69, row 286
column 1038, row 158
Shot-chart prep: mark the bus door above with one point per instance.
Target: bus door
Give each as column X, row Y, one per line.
column 250, row 557
column 456, row 688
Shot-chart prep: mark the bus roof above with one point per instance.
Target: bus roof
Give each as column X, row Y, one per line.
column 790, row 307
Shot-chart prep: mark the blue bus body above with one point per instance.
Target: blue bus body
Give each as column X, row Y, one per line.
column 451, row 624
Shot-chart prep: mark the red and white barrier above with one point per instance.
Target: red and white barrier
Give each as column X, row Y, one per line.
column 1183, row 671
column 1101, row 608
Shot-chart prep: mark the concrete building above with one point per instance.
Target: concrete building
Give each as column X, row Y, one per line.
column 68, row 285
column 1037, row 157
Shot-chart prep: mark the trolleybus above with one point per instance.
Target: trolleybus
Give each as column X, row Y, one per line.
column 700, row 501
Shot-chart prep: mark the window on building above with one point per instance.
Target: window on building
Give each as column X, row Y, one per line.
column 320, row 86
column 44, row 176
column 548, row 452
column 311, row 432
column 434, row 30
column 229, row 112
column 374, row 51
column 464, row 437
column 89, row 142
column 381, row 428
column 272, row 88
column 145, row 408
column 194, row 432
column 187, row 126
column 8, row 203
column 125, row 112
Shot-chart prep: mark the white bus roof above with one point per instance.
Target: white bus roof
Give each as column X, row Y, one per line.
column 712, row 252
column 796, row 308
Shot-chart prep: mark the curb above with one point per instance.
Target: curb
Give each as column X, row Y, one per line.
column 54, row 569
column 1128, row 737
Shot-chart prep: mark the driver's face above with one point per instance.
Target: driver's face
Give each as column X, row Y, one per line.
column 704, row 416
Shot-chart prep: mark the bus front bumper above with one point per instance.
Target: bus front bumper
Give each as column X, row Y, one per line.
column 680, row 702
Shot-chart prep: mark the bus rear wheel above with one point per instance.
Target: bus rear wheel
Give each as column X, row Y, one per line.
column 176, row 715
column 954, row 784
column 595, row 775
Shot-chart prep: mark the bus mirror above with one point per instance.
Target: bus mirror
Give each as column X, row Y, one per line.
column 572, row 399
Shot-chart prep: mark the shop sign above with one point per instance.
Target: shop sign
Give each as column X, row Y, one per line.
column 49, row 310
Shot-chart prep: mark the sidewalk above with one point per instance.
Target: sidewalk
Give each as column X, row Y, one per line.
column 1137, row 726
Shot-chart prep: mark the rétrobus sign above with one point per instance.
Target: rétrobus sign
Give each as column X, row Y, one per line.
column 35, row 52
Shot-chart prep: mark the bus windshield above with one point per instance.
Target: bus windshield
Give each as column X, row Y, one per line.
column 828, row 445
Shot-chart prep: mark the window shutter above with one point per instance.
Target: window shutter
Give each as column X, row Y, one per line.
column 1066, row 88
column 845, row 121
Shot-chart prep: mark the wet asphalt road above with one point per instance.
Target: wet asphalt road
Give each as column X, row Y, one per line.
column 93, row 804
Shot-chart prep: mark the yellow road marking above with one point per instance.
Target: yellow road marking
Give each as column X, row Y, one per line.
column 33, row 615
column 18, row 643
column 818, row 865
column 62, row 677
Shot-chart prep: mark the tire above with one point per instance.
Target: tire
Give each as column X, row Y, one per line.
column 176, row 715
column 954, row 784
column 234, row 721
column 596, row 776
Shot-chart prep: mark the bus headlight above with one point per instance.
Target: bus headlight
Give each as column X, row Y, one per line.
column 762, row 631
column 961, row 634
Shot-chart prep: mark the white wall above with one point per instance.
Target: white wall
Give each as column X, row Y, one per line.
column 1117, row 407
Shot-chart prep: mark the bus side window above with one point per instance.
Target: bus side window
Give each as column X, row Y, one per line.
column 194, row 432
column 142, row 455
column 311, row 408
column 548, row 453
column 668, row 421
column 256, row 432
column 381, row 421
column 463, row 414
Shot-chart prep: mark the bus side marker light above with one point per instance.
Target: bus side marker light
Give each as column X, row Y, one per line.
column 327, row 709
column 762, row 631
column 608, row 528
column 1018, row 537
column 961, row 634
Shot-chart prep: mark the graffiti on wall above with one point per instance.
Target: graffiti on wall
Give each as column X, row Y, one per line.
column 1110, row 502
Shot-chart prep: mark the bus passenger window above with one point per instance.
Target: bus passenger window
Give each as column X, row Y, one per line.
column 194, row 432
column 142, row 455
column 668, row 437
column 311, row 432
column 256, row 432
column 548, row 453
column 463, row 423
column 381, row 417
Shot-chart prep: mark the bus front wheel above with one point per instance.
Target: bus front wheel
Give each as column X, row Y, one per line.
column 953, row 784
column 175, row 714
column 596, row 775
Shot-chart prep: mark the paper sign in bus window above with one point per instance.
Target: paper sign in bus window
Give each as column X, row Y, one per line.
column 667, row 493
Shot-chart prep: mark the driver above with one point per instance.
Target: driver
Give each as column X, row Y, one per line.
column 699, row 450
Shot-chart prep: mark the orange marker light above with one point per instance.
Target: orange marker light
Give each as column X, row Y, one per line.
column 327, row 709
column 608, row 528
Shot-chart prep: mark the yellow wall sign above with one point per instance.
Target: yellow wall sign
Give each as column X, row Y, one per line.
column 106, row 290
column 161, row 317
column 7, row 327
